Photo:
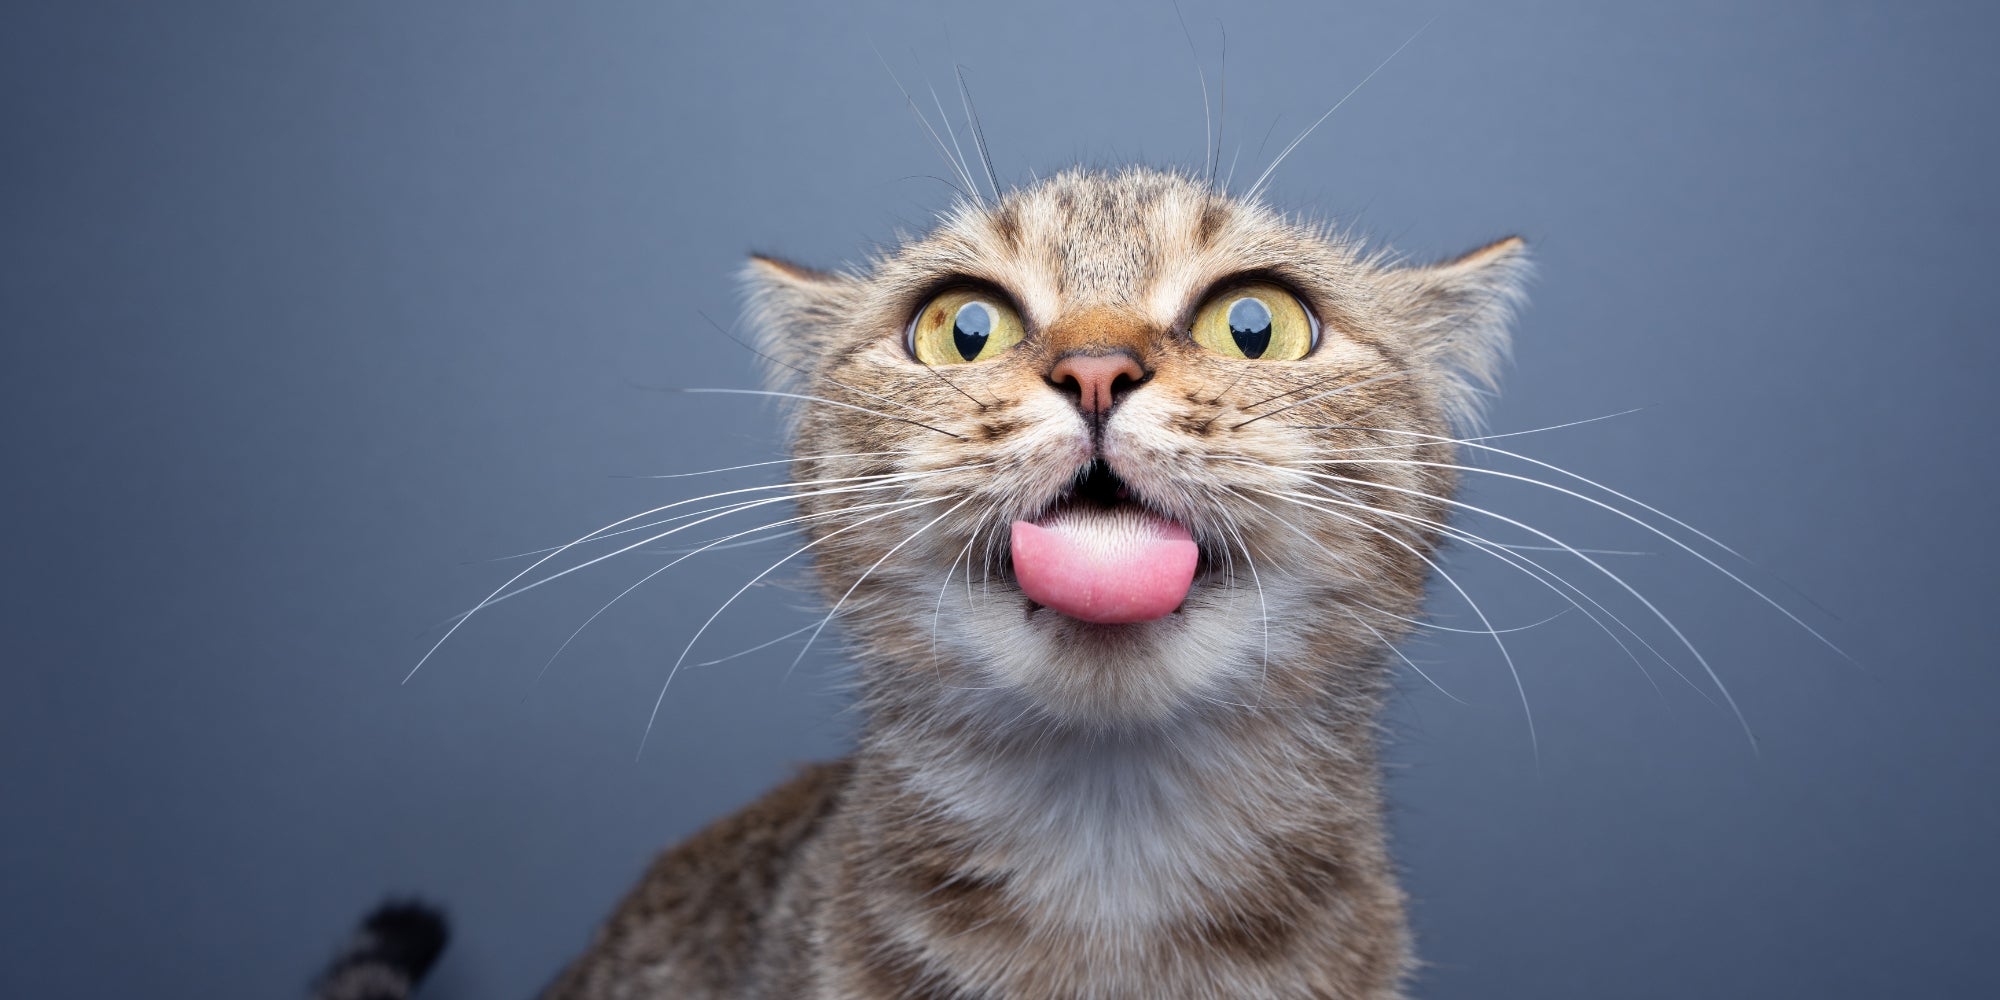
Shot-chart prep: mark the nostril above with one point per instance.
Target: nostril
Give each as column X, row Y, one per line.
column 1097, row 380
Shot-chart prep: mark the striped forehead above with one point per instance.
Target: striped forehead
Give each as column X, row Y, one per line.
column 1080, row 241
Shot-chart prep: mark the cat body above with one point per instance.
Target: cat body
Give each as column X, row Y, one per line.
column 1084, row 795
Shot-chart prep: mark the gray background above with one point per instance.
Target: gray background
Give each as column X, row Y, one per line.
column 309, row 310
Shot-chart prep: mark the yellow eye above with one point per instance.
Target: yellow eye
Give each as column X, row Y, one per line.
column 1260, row 322
column 965, row 325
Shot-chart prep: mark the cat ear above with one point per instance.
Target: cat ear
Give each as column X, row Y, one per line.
column 1459, row 313
column 791, row 312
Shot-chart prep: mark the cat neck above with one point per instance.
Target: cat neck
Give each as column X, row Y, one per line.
column 1132, row 827
column 1235, row 851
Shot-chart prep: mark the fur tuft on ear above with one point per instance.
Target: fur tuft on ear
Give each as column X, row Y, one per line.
column 1459, row 313
column 791, row 311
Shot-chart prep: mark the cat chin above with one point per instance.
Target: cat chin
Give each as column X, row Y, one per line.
column 1084, row 673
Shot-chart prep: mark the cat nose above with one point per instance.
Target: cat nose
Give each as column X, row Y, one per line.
column 1096, row 380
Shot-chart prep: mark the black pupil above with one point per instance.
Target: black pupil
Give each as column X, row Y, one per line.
column 1250, row 324
column 970, row 328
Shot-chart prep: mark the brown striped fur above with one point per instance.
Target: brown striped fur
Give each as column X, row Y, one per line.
column 1041, row 808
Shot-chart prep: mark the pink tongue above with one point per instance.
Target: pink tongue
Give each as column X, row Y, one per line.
column 1110, row 567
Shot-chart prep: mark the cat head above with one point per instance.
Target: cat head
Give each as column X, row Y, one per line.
column 1121, row 446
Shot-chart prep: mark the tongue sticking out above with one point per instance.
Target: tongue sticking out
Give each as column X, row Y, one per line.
column 1109, row 567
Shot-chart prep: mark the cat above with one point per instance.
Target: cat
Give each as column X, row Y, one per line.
column 1125, row 488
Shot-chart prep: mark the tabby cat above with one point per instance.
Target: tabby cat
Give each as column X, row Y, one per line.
column 1124, row 487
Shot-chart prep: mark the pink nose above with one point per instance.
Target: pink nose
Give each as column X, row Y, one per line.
column 1097, row 379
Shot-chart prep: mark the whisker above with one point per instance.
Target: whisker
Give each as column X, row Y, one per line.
column 1233, row 383
column 548, row 549
column 766, row 644
column 1258, row 187
column 1475, row 443
column 1263, row 609
column 712, row 545
column 818, row 399
column 1324, row 395
column 1207, row 132
column 937, row 612
column 1391, row 647
column 976, row 401
column 1437, row 439
column 1527, row 712
column 1713, row 677
column 837, row 605
column 971, row 189
column 1542, row 575
column 1307, row 387
column 746, row 345
column 778, row 461
column 501, row 593
column 1435, row 627
column 1595, row 552
column 978, row 130
column 894, row 483
column 1221, row 103
column 944, row 117
column 685, row 557
column 887, row 478
column 1718, row 567
column 801, row 550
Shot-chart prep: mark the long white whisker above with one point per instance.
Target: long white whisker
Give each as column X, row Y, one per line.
column 689, row 555
column 1543, row 575
column 1475, row 443
column 870, row 487
column 1528, row 712
column 1263, row 609
column 1641, row 522
column 819, row 399
column 1713, row 677
column 607, row 532
column 1419, row 623
column 1435, row 627
column 1433, row 438
column 502, row 593
column 978, row 130
column 837, row 605
column 782, row 363
column 1595, row 552
column 647, row 526
column 971, row 190
column 1207, row 130
column 779, row 461
column 1391, row 647
column 882, row 479
column 801, row 550
column 766, row 644
column 938, row 611
column 1257, row 187
column 1540, row 574
column 776, row 532
column 944, row 117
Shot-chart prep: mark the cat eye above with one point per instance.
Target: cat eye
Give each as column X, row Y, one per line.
column 964, row 325
column 1258, row 322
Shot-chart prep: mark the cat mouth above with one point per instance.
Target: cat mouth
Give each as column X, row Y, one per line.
column 1100, row 555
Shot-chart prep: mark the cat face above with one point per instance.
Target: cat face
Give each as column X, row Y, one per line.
column 1119, row 447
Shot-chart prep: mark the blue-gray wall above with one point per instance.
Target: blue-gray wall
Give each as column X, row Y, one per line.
column 310, row 309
